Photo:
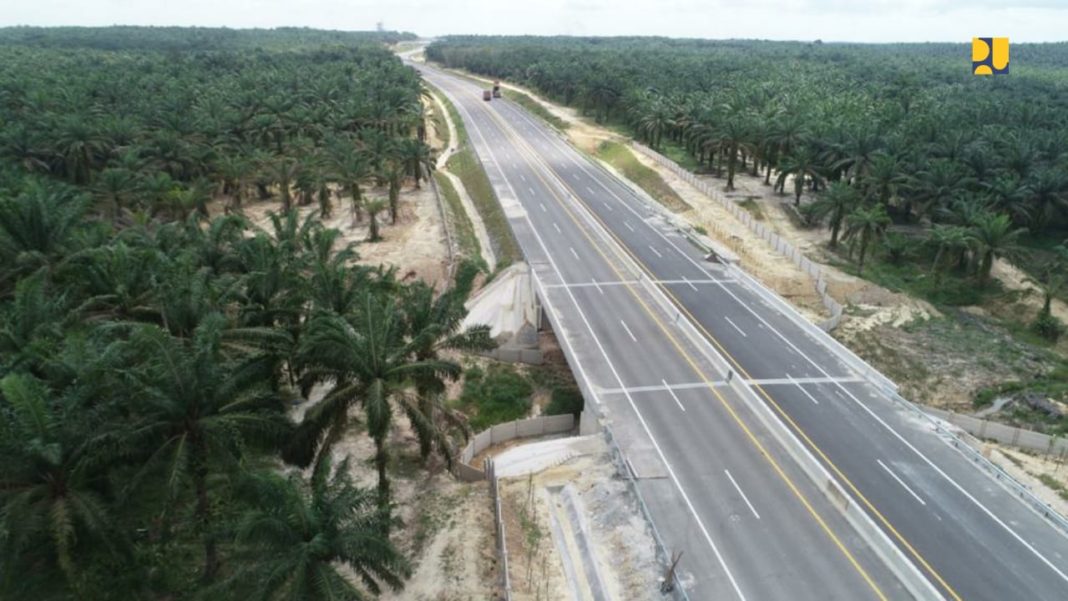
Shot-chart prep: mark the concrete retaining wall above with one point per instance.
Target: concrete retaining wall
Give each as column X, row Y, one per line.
column 780, row 245
column 1017, row 437
column 524, row 428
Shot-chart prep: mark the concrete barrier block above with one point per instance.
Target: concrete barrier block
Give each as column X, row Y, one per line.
column 998, row 432
column 559, row 423
column 530, row 427
column 466, row 473
column 502, row 432
column 1033, row 440
column 481, row 441
column 508, row 355
column 531, row 356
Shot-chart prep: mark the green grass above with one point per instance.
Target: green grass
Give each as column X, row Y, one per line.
column 620, row 157
column 753, row 207
column 462, row 228
column 1055, row 484
column 537, row 108
column 498, row 394
column 439, row 123
column 466, row 167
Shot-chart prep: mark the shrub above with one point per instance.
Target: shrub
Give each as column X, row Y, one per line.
column 1048, row 327
column 564, row 401
column 499, row 394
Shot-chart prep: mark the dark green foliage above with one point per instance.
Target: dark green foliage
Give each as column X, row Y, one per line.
column 500, row 394
column 184, row 39
column 565, row 400
column 1048, row 327
column 905, row 127
column 149, row 353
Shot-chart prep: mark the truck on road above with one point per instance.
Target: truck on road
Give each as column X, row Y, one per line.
column 486, row 95
column 496, row 89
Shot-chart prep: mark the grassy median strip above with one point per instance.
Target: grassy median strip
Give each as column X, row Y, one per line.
column 620, row 157
column 537, row 108
column 465, row 166
column 462, row 228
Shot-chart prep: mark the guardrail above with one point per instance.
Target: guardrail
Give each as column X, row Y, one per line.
column 498, row 521
column 450, row 240
column 973, row 454
column 592, row 411
column 776, row 242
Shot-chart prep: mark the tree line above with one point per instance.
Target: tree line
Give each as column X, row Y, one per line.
column 878, row 134
column 160, row 133
column 151, row 355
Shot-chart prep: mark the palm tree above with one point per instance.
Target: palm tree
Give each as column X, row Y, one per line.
column 1053, row 277
column 351, row 166
column 393, row 171
column 866, row 225
column 657, row 120
column 884, row 178
column 951, row 240
column 1049, row 196
column 834, row 204
column 801, row 163
column 993, row 236
column 937, row 186
column 284, row 170
column 116, row 187
column 193, row 414
column 417, row 157
column 373, row 208
column 51, row 510
column 37, row 229
column 1011, row 195
column 77, row 146
column 368, row 356
column 439, row 317
column 295, row 537
column 734, row 138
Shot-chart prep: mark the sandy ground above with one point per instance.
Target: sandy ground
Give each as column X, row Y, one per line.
column 1026, row 468
column 621, row 544
column 485, row 246
column 415, row 244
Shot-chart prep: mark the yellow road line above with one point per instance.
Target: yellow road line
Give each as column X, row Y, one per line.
column 531, row 155
column 742, row 371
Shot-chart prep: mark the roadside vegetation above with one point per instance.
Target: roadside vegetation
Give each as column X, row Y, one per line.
column 924, row 178
column 466, row 166
column 620, row 157
column 536, row 108
column 176, row 383
column 462, row 227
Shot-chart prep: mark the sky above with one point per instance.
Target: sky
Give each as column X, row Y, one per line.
column 828, row 20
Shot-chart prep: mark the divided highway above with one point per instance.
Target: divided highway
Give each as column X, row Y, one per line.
column 619, row 282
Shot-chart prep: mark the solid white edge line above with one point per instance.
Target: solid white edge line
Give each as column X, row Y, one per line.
column 619, row 379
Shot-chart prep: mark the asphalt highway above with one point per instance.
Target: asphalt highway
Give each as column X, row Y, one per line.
column 617, row 280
